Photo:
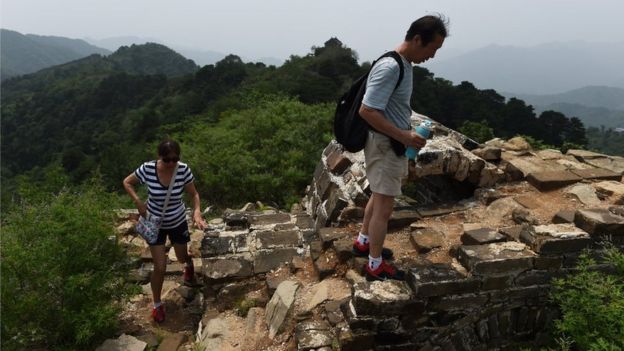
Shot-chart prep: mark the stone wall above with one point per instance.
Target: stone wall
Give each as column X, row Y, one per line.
column 249, row 242
column 493, row 292
column 340, row 190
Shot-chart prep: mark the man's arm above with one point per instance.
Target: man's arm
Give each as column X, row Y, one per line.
column 377, row 120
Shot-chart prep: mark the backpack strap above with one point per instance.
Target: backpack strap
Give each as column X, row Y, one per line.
column 395, row 55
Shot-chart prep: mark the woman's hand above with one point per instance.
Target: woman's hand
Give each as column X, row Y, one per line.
column 198, row 221
column 142, row 208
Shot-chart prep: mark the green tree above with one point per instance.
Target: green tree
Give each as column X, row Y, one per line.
column 62, row 274
column 479, row 131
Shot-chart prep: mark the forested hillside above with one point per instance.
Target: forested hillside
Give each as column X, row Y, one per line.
column 248, row 131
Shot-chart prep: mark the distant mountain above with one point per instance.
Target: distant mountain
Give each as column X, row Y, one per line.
column 22, row 54
column 590, row 116
column 590, row 96
column 115, row 43
column 152, row 58
column 543, row 69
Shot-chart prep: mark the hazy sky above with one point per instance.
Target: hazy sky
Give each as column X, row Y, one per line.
column 279, row 28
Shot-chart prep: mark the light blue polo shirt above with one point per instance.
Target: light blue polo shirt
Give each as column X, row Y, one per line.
column 380, row 93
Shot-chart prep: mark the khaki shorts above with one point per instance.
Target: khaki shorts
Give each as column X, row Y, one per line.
column 384, row 169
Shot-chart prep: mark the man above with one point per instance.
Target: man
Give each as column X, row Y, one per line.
column 387, row 110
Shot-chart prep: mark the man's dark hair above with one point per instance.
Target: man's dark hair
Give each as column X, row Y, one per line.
column 427, row 27
column 168, row 146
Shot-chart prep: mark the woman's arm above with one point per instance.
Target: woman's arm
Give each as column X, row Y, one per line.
column 197, row 218
column 128, row 184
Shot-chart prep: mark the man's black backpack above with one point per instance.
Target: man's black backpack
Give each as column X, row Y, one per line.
column 350, row 129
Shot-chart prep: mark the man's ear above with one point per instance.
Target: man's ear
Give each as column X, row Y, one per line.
column 417, row 40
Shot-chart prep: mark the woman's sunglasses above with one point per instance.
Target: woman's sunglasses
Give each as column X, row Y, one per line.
column 170, row 159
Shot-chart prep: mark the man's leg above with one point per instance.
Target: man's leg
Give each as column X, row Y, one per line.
column 381, row 210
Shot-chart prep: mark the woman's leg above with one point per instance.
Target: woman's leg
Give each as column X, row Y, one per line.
column 159, row 259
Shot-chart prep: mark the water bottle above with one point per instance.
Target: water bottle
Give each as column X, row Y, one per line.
column 424, row 130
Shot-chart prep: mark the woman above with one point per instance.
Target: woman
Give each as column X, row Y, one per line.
column 157, row 175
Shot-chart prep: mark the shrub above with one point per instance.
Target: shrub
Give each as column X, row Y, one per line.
column 62, row 273
column 479, row 131
column 592, row 304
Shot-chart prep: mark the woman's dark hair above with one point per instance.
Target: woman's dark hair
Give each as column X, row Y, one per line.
column 168, row 146
column 426, row 27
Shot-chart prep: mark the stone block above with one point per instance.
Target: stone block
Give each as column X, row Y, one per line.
column 330, row 234
column 231, row 267
column 482, row 236
column 529, row 201
column 427, row 239
column 564, row 216
column 266, row 239
column 496, row 282
column 439, row 280
column 304, row 221
column 228, row 242
column 385, row 298
column 597, row 174
column 488, row 153
column 440, row 210
column 338, row 163
column 548, row 262
column 486, row 195
column 269, row 218
column 280, row 306
column 326, row 263
column 497, row 258
column 403, row 218
column 343, row 248
column 533, row 277
column 236, row 219
column 550, row 180
column 465, row 302
column 311, row 335
column 614, row 164
column 512, row 233
column 267, row 260
column 599, row 222
column 555, row 238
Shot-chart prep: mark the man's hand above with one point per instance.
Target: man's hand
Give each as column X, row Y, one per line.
column 413, row 139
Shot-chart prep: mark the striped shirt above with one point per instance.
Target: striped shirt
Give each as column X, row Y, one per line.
column 157, row 192
column 380, row 93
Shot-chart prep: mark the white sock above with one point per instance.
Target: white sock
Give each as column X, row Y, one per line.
column 362, row 239
column 374, row 262
column 157, row 304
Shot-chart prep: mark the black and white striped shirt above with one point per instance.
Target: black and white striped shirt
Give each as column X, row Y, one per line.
column 157, row 192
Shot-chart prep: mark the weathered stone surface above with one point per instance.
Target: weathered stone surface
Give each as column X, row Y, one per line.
column 617, row 210
column 549, row 154
column 583, row 155
column 266, row 260
column 529, row 201
column 612, row 188
column 403, row 218
column 271, row 238
column 172, row 342
column 335, row 203
column 330, row 234
column 230, row 267
column 385, row 298
column 548, row 262
column 311, row 335
column 337, row 162
column 585, row 193
column 520, row 167
column 280, row 305
column 236, row 219
column 516, row 144
column 564, row 216
column 427, row 239
column 351, row 214
column 214, row 334
column 326, row 263
column 597, row 174
column 488, row 153
column 497, row 258
column 550, row 180
column 439, row 280
column 304, row 221
column 614, row 164
column 523, row 216
column 481, row 236
column 486, row 195
column 123, row 343
column 344, row 249
column 225, row 242
column 555, row 238
column 270, row 218
column 599, row 221
column 512, row 233
column 332, row 289
column 458, row 302
column 440, row 209
column 501, row 208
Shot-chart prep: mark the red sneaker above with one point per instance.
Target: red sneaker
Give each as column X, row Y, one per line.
column 189, row 275
column 385, row 271
column 362, row 250
column 158, row 314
